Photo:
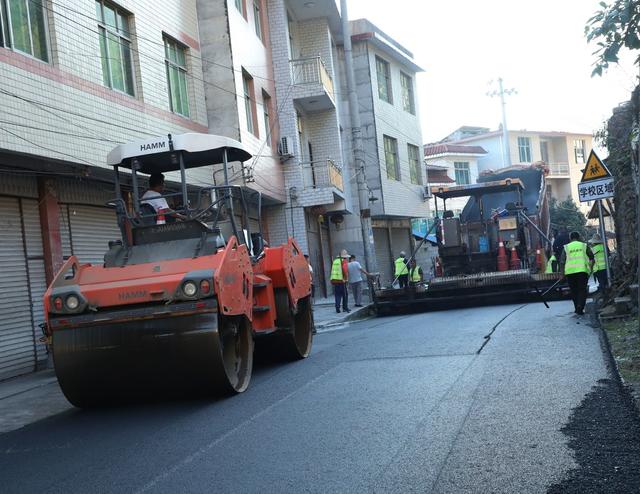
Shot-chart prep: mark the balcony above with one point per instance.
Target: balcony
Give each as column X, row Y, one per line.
column 322, row 184
column 312, row 84
column 559, row 170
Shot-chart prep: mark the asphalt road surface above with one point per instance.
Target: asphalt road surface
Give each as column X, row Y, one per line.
column 415, row 403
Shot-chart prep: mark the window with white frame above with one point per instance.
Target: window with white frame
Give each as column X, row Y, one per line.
column 115, row 47
column 462, row 172
column 249, row 103
column 176, row 64
column 578, row 150
column 408, row 102
column 392, row 162
column 383, row 73
column 257, row 19
column 23, row 27
column 414, row 164
column 524, row 149
column 240, row 6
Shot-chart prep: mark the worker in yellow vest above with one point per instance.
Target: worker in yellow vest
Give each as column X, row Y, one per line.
column 415, row 273
column 402, row 270
column 339, row 280
column 576, row 262
column 552, row 263
column 600, row 265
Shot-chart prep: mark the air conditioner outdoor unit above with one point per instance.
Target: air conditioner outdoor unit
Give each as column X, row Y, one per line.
column 283, row 148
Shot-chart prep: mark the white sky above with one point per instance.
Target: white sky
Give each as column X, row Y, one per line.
column 538, row 48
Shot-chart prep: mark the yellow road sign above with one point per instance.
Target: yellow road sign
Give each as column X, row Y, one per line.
column 595, row 169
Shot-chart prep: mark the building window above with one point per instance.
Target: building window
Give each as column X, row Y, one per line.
column 176, row 61
column 257, row 19
column 249, row 103
column 391, row 158
column 463, row 175
column 266, row 110
column 115, row 47
column 383, row 73
column 241, row 8
column 408, row 102
column 524, row 149
column 578, row 149
column 414, row 164
column 23, row 27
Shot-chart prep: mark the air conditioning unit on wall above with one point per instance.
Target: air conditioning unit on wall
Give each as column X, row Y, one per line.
column 284, row 149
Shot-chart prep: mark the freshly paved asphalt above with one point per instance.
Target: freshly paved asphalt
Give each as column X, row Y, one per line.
column 398, row 404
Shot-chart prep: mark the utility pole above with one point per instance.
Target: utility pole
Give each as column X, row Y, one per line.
column 506, row 155
column 358, row 149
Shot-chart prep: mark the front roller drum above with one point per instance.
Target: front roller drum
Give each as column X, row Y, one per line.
column 186, row 356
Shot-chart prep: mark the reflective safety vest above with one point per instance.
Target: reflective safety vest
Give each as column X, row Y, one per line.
column 550, row 262
column 336, row 270
column 598, row 254
column 576, row 258
column 415, row 274
column 401, row 267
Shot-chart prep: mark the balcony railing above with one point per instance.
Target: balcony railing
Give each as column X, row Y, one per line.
column 311, row 71
column 323, row 173
column 559, row 169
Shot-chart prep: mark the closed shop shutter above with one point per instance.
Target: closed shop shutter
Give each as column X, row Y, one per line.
column 92, row 228
column 65, row 234
column 35, row 264
column 400, row 241
column 326, row 256
column 17, row 354
column 383, row 256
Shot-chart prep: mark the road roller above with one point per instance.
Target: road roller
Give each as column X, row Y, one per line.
column 180, row 299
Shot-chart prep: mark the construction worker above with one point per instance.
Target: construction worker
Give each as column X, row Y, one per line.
column 552, row 263
column 600, row 266
column 339, row 280
column 415, row 273
column 402, row 270
column 575, row 264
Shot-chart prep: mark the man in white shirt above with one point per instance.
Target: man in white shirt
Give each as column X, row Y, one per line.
column 153, row 195
column 355, row 279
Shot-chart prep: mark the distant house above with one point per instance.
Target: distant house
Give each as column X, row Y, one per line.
column 564, row 153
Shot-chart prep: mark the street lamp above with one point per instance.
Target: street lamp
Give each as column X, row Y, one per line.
column 506, row 156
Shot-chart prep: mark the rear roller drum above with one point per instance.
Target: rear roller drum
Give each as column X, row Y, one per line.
column 297, row 337
column 235, row 354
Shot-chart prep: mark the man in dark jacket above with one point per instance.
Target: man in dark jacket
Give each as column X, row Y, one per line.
column 560, row 241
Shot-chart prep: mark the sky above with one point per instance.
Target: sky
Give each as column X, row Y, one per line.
column 538, row 48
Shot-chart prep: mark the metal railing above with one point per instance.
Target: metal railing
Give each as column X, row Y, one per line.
column 556, row 169
column 311, row 71
column 322, row 173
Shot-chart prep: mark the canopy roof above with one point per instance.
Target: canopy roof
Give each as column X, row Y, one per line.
column 484, row 188
column 154, row 155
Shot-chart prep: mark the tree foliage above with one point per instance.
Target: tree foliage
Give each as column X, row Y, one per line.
column 615, row 26
column 566, row 214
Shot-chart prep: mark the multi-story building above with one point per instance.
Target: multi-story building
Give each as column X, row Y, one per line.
column 80, row 77
column 303, row 42
column 565, row 154
column 385, row 75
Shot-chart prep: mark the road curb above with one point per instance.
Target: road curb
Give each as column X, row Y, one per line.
column 356, row 315
column 611, row 363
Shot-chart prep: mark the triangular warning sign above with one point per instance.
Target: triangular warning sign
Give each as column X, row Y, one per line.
column 595, row 169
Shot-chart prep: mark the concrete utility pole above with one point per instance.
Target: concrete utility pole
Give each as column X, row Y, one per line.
column 358, row 149
column 506, row 155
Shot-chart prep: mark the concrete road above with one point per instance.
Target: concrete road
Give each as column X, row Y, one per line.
column 399, row 404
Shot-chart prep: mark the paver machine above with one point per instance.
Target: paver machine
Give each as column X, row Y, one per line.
column 176, row 306
column 492, row 252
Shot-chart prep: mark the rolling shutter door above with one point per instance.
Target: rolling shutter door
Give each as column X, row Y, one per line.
column 383, row 256
column 400, row 241
column 91, row 229
column 35, row 264
column 16, row 331
column 65, row 234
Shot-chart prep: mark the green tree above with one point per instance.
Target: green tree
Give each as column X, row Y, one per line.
column 616, row 26
column 566, row 214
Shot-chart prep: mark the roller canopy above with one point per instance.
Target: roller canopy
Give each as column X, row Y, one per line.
column 154, row 155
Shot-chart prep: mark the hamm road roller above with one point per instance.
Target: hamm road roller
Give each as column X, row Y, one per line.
column 179, row 300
